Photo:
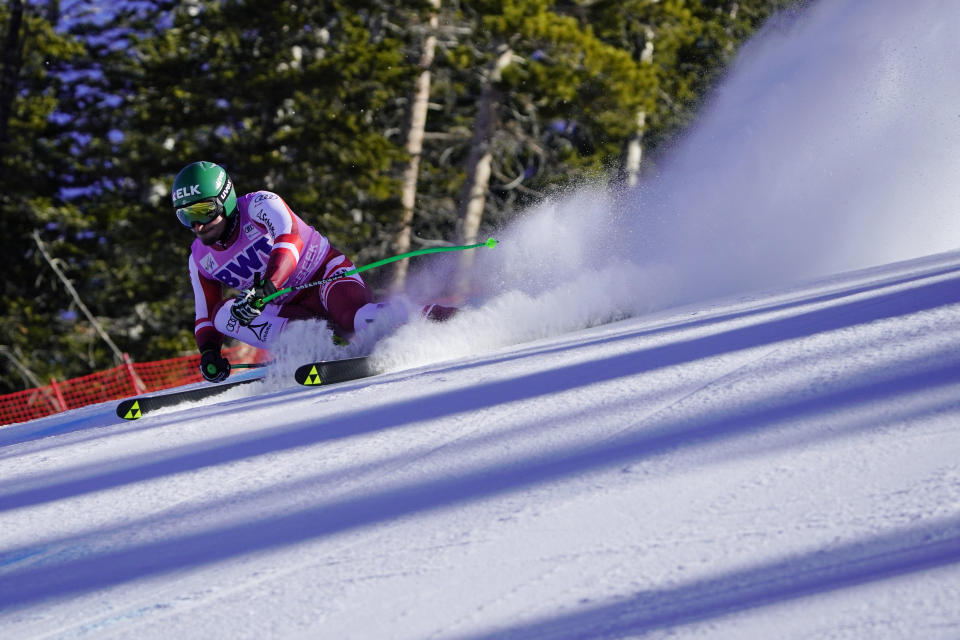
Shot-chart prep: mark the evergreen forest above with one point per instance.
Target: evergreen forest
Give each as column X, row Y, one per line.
column 389, row 126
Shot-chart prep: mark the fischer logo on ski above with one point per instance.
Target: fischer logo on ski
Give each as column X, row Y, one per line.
column 327, row 372
column 134, row 412
column 313, row 378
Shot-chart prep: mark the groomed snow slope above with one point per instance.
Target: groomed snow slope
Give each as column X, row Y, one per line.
column 784, row 464
column 762, row 450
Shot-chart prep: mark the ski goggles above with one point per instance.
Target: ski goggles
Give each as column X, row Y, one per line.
column 202, row 212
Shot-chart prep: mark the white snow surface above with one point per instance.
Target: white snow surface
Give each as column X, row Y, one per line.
column 784, row 464
column 723, row 405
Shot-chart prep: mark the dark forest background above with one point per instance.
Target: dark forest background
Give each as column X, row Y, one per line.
column 387, row 125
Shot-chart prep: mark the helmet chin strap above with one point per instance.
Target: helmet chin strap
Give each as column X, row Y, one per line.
column 228, row 230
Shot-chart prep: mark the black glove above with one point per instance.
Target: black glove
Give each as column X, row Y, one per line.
column 245, row 308
column 213, row 366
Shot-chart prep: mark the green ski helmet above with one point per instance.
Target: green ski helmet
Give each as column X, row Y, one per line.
column 201, row 192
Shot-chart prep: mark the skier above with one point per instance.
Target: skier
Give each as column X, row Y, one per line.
column 236, row 238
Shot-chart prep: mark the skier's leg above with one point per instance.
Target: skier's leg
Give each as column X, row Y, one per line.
column 260, row 333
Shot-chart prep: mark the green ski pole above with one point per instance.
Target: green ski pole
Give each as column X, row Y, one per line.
column 491, row 242
column 250, row 365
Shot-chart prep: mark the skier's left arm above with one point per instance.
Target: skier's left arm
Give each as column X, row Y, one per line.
column 270, row 211
column 284, row 228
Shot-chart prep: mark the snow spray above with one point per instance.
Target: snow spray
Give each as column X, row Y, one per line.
column 830, row 145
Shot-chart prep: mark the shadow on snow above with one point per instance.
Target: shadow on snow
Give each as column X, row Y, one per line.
column 478, row 397
column 100, row 569
column 882, row 557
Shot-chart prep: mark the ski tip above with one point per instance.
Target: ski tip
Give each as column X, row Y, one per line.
column 491, row 242
column 308, row 376
column 331, row 371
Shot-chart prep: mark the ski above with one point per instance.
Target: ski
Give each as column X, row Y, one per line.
column 135, row 408
column 312, row 374
column 332, row 371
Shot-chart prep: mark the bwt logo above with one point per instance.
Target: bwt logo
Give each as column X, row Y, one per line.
column 242, row 268
column 184, row 192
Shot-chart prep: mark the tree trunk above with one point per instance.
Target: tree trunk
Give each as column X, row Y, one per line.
column 418, row 124
column 633, row 151
column 633, row 154
column 474, row 196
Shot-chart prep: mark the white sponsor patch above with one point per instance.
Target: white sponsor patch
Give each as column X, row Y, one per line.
column 208, row 263
column 251, row 231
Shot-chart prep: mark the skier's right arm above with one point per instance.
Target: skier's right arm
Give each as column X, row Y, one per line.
column 207, row 296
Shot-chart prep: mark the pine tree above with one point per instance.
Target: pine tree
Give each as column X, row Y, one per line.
column 530, row 102
column 101, row 107
column 36, row 332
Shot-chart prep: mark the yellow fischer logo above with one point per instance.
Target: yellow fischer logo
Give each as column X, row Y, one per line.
column 313, row 378
column 134, row 412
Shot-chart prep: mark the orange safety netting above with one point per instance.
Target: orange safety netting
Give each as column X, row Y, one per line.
column 128, row 379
